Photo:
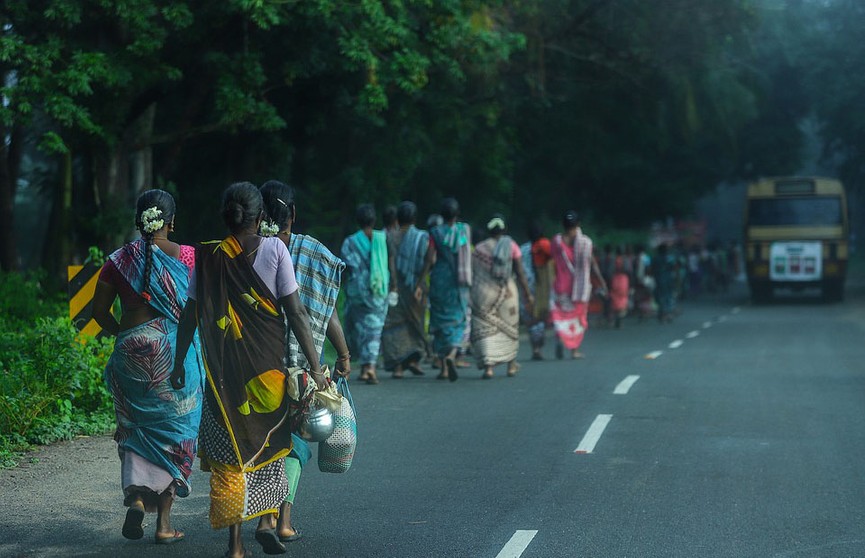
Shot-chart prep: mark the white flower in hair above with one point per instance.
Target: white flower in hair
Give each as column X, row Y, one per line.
column 150, row 221
column 268, row 228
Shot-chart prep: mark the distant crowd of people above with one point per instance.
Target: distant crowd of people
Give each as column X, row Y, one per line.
column 646, row 285
column 219, row 348
column 474, row 295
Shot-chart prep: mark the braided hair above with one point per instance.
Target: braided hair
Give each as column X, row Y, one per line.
column 152, row 207
column 278, row 200
column 242, row 206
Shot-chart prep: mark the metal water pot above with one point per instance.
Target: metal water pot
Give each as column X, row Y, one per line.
column 317, row 425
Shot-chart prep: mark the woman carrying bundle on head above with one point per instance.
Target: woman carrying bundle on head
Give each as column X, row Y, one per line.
column 157, row 427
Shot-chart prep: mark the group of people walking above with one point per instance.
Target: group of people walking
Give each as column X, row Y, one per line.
column 219, row 348
column 473, row 294
column 218, row 354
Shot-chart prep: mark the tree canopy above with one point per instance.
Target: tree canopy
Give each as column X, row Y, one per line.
column 624, row 109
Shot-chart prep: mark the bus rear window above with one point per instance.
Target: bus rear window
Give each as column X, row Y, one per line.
column 806, row 212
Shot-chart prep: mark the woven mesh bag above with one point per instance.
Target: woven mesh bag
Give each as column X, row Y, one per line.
column 336, row 453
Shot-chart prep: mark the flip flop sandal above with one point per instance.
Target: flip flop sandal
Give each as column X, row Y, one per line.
column 291, row 538
column 452, row 369
column 132, row 529
column 269, row 541
column 177, row 537
column 416, row 371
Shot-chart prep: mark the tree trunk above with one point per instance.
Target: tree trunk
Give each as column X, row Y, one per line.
column 141, row 152
column 121, row 173
column 57, row 250
column 10, row 162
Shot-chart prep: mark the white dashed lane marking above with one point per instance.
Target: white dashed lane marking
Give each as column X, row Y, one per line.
column 587, row 445
column 653, row 355
column 676, row 344
column 692, row 334
column 517, row 545
column 625, row 385
column 707, row 325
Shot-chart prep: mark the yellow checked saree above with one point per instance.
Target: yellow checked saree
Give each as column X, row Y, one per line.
column 252, row 401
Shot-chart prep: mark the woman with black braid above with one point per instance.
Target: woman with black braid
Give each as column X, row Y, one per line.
column 157, row 426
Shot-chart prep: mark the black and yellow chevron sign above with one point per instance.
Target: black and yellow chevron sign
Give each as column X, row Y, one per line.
column 81, row 282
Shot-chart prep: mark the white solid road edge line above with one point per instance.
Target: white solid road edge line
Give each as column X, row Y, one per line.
column 625, row 385
column 517, row 545
column 587, row 445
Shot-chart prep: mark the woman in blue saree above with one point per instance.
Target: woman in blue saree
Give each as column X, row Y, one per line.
column 448, row 261
column 157, row 427
column 404, row 340
column 368, row 265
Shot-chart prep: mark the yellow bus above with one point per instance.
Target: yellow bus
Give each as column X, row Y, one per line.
column 796, row 236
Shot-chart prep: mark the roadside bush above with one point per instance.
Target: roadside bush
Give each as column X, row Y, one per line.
column 23, row 299
column 51, row 385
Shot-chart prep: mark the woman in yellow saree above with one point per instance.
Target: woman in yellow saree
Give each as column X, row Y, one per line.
column 238, row 293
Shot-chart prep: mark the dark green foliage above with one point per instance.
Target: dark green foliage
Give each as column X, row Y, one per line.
column 51, row 385
column 624, row 109
column 23, row 300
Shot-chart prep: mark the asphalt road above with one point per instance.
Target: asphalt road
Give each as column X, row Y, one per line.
column 744, row 436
